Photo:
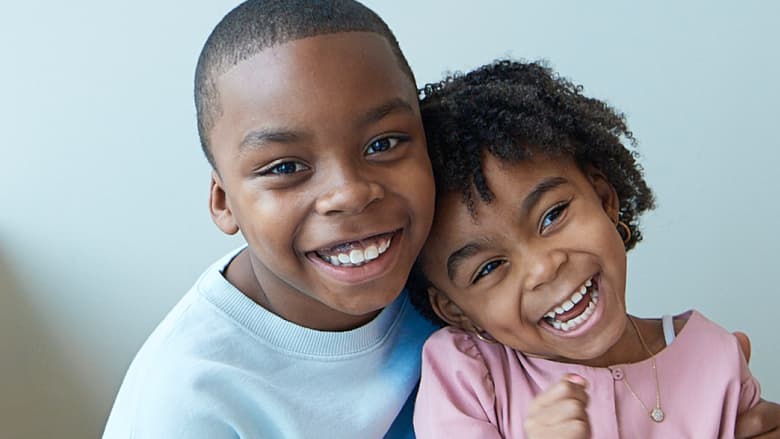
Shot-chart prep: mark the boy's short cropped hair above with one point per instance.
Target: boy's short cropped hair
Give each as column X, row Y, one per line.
column 258, row 24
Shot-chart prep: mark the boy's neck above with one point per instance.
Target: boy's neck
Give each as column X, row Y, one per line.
column 296, row 308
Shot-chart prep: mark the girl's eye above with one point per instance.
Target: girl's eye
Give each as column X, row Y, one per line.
column 382, row 145
column 487, row 269
column 284, row 168
column 552, row 215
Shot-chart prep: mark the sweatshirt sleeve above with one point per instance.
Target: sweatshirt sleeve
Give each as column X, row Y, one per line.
column 456, row 398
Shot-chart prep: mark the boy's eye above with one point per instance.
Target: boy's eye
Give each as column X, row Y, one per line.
column 382, row 145
column 552, row 215
column 284, row 168
column 487, row 269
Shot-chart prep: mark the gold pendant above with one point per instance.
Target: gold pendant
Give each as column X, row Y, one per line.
column 657, row 414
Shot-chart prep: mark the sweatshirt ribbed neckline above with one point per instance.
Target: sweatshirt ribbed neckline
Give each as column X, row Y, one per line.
column 288, row 336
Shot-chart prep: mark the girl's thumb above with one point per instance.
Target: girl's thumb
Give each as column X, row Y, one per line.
column 576, row 379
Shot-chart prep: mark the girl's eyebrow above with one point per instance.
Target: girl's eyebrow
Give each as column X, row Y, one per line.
column 458, row 256
column 538, row 191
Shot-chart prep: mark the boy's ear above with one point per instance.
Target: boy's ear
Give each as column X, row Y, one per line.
column 606, row 192
column 448, row 311
column 221, row 213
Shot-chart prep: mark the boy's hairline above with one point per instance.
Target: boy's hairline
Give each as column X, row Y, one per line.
column 217, row 70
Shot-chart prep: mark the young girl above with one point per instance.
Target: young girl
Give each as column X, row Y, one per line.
column 538, row 201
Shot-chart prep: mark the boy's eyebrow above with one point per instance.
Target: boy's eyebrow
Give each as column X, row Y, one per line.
column 536, row 194
column 271, row 135
column 458, row 256
column 267, row 135
column 379, row 112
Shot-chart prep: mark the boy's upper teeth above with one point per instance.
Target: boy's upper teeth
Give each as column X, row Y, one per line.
column 356, row 253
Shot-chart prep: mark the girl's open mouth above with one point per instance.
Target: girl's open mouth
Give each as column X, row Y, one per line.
column 575, row 310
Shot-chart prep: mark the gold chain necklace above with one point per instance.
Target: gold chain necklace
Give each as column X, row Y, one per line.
column 656, row 414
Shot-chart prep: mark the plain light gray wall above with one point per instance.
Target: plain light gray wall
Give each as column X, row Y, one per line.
column 103, row 217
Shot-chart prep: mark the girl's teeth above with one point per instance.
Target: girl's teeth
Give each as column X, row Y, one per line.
column 567, row 305
column 343, row 258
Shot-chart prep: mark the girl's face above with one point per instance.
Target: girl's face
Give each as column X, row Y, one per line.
column 541, row 267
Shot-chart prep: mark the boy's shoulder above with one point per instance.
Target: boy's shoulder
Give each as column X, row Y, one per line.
column 181, row 373
column 195, row 326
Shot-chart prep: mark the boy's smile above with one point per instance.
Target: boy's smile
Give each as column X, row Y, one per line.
column 540, row 267
column 321, row 164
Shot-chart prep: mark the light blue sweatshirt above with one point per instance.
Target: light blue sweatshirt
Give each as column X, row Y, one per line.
column 221, row 366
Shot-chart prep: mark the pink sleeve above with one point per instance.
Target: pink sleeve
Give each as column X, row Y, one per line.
column 456, row 395
column 750, row 390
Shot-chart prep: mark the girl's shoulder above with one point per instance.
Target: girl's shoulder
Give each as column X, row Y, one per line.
column 454, row 343
column 694, row 332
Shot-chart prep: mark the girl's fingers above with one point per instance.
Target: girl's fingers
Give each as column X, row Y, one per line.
column 573, row 427
column 570, row 387
column 560, row 411
column 565, row 410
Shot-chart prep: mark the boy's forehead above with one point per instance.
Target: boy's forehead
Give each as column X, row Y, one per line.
column 292, row 81
column 314, row 58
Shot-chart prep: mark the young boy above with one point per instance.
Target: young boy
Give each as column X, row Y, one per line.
column 308, row 114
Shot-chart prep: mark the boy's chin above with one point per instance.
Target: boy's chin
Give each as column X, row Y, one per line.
column 370, row 300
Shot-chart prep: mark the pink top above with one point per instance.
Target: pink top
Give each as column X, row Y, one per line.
column 473, row 389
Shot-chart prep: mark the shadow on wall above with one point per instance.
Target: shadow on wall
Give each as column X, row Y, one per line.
column 41, row 395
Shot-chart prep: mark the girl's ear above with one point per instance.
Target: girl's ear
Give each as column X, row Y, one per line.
column 221, row 213
column 448, row 311
column 606, row 192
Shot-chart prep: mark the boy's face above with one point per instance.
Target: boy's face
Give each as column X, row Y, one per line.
column 547, row 236
column 322, row 165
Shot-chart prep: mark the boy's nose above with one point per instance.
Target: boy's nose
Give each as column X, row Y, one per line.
column 349, row 197
column 543, row 267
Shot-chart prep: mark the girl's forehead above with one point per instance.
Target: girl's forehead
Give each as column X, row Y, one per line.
column 502, row 176
column 516, row 188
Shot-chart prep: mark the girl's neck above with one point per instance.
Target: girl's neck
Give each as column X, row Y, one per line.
column 628, row 348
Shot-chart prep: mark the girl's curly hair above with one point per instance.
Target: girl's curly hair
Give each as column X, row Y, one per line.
column 512, row 110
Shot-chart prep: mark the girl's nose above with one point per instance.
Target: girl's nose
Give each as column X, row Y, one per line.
column 349, row 196
column 543, row 267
